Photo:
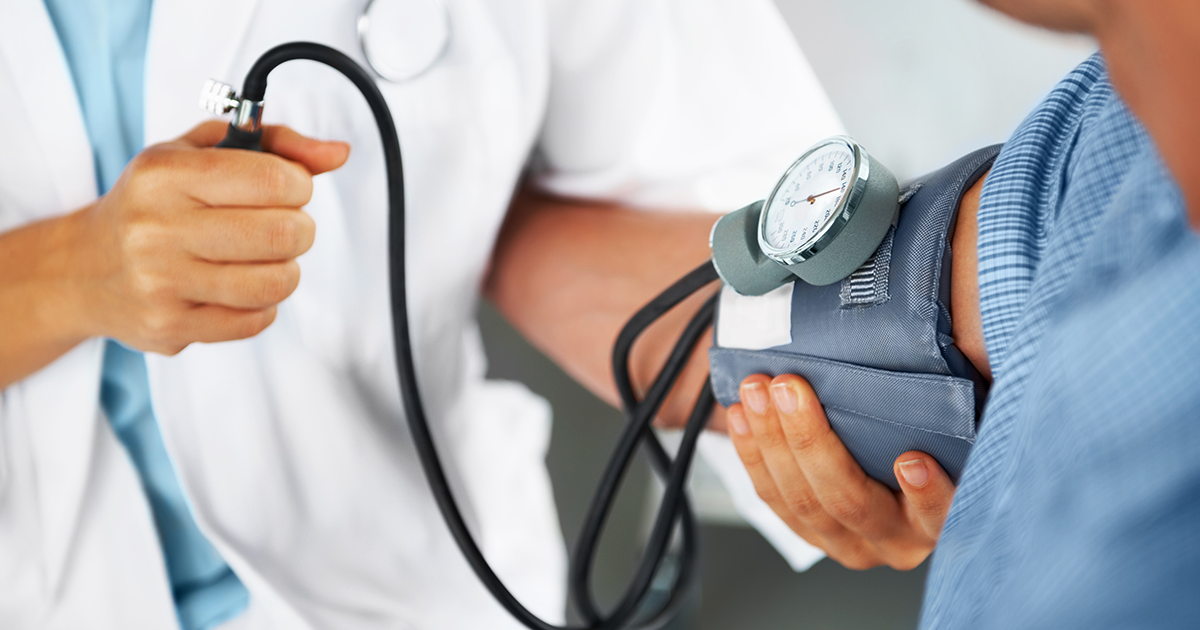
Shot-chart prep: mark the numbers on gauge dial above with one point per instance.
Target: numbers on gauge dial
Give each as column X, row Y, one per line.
column 804, row 204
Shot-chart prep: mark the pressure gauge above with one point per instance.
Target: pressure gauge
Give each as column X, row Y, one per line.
column 824, row 218
column 806, row 205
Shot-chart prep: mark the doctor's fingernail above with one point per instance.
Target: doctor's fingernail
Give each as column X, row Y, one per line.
column 755, row 395
column 737, row 421
column 784, row 397
column 914, row 472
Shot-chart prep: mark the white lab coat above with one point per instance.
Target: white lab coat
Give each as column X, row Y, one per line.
column 291, row 446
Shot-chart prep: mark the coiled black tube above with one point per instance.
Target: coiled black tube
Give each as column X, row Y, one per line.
column 674, row 508
column 638, row 415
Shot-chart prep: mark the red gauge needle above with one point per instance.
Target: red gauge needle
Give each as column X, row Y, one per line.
column 813, row 198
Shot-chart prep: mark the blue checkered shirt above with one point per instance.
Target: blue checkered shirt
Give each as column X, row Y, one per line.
column 1080, row 503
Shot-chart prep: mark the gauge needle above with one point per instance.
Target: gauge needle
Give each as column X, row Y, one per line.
column 813, row 198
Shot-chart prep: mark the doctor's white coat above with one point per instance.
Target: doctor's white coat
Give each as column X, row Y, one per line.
column 291, row 446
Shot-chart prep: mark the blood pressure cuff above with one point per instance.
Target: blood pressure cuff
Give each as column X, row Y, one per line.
column 876, row 347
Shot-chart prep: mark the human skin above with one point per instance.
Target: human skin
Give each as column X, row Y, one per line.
column 192, row 244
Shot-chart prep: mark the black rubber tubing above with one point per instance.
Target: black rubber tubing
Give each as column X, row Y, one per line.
column 674, row 508
column 639, row 414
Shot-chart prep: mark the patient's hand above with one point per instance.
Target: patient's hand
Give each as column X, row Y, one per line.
column 803, row 471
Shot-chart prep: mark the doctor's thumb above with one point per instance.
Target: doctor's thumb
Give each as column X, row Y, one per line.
column 318, row 156
column 927, row 488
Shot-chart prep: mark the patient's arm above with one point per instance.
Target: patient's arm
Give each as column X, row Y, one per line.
column 965, row 319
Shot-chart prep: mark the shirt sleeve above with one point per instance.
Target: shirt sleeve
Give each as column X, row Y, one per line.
column 675, row 104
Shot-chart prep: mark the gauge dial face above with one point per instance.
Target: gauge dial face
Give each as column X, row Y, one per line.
column 808, row 198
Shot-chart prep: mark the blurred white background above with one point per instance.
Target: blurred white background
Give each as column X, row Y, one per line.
column 918, row 83
column 921, row 82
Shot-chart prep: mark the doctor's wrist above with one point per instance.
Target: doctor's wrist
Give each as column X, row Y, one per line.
column 40, row 299
column 76, row 309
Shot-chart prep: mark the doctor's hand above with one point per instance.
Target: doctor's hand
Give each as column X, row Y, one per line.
column 198, row 244
column 802, row 470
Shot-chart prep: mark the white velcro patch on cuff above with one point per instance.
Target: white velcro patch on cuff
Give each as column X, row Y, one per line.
column 755, row 323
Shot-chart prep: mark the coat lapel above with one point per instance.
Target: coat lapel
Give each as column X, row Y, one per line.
column 47, row 102
column 60, row 403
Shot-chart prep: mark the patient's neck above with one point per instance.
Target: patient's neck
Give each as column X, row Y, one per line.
column 1153, row 55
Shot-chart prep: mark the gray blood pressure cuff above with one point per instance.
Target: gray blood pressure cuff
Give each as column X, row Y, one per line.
column 876, row 347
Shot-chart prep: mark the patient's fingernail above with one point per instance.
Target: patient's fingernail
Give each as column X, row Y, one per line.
column 914, row 472
column 737, row 422
column 785, row 398
column 755, row 395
